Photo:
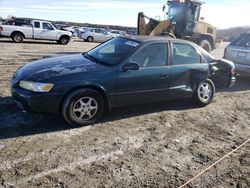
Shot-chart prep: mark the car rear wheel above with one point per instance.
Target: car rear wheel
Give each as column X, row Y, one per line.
column 17, row 37
column 90, row 39
column 83, row 107
column 204, row 94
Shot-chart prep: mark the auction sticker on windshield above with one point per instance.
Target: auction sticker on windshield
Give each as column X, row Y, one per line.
column 132, row 43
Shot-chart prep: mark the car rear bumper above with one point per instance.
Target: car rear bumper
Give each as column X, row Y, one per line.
column 36, row 102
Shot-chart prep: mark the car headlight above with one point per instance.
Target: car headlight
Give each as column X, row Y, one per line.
column 36, row 86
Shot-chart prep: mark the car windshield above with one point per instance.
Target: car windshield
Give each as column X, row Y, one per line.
column 112, row 51
column 207, row 55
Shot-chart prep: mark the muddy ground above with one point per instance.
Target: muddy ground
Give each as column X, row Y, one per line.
column 157, row 145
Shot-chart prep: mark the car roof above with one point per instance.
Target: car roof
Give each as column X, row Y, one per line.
column 144, row 38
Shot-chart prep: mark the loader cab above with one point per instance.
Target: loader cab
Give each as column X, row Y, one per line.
column 185, row 15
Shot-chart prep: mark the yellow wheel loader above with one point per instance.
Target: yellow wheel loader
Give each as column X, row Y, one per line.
column 183, row 21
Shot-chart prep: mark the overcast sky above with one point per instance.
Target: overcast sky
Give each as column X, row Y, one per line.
column 220, row 13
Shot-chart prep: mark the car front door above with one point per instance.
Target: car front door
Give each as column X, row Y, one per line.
column 150, row 82
column 49, row 31
column 187, row 70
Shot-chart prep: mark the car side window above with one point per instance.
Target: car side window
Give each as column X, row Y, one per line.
column 184, row 54
column 37, row 24
column 152, row 55
column 47, row 26
column 97, row 31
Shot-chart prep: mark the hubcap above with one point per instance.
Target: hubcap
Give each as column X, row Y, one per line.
column 85, row 108
column 18, row 38
column 64, row 41
column 205, row 92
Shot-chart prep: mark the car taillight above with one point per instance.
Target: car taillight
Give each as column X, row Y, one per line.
column 1, row 28
column 233, row 72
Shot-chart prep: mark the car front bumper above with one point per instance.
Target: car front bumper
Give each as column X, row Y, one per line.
column 36, row 102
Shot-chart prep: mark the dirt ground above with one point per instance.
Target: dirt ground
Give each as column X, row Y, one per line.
column 157, row 145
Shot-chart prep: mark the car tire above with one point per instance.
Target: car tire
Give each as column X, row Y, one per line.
column 17, row 37
column 205, row 44
column 90, row 39
column 204, row 93
column 83, row 107
column 64, row 40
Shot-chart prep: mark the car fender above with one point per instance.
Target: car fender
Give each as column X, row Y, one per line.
column 18, row 31
column 90, row 85
column 63, row 33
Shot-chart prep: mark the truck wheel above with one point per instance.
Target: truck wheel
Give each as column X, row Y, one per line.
column 83, row 107
column 64, row 40
column 90, row 39
column 204, row 93
column 17, row 37
column 205, row 44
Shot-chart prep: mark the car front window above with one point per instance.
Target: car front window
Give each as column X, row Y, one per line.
column 112, row 51
column 151, row 55
column 47, row 26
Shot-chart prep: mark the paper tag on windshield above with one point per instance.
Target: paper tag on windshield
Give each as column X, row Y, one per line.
column 131, row 43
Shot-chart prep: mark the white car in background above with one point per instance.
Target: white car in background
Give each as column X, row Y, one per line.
column 73, row 29
column 238, row 51
column 95, row 35
column 117, row 33
column 18, row 30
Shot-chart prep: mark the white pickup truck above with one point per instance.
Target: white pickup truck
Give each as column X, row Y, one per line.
column 34, row 29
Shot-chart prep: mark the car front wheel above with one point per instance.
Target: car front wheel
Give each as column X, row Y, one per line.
column 64, row 40
column 204, row 94
column 83, row 107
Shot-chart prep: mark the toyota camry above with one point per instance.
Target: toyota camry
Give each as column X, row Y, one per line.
column 122, row 71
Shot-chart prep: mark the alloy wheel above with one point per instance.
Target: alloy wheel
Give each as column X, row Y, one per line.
column 85, row 108
column 205, row 92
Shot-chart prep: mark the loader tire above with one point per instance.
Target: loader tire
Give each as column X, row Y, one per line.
column 205, row 44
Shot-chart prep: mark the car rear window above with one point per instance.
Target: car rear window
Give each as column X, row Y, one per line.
column 37, row 24
column 241, row 41
column 185, row 54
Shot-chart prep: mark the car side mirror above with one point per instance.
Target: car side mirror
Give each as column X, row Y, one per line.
column 130, row 66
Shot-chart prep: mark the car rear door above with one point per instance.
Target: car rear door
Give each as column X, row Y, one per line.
column 150, row 82
column 37, row 29
column 187, row 70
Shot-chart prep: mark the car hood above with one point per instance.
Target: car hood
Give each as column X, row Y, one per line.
column 57, row 66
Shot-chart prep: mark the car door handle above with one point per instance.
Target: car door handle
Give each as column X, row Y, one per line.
column 164, row 76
